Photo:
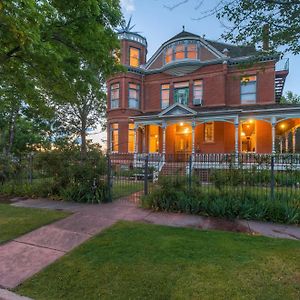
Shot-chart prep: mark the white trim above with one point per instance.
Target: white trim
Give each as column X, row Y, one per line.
column 186, row 108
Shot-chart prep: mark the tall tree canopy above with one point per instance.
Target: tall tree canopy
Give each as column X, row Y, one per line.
column 47, row 48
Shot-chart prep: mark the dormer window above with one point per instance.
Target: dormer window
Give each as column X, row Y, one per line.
column 182, row 50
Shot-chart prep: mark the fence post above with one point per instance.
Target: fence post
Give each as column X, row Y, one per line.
column 146, row 175
column 109, row 178
column 272, row 183
column 30, row 167
column 190, row 171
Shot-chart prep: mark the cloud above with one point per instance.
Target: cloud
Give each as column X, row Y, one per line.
column 128, row 5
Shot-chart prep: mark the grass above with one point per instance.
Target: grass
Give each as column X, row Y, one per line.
column 143, row 261
column 126, row 188
column 15, row 221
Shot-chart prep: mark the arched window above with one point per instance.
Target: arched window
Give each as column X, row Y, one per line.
column 169, row 55
column 180, row 52
column 192, row 51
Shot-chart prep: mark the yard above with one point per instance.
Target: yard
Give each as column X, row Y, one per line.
column 15, row 221
column 135, row 260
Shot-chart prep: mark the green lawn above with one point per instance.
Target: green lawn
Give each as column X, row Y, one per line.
column 126, row 188
column 142, row 261
column 15, row 221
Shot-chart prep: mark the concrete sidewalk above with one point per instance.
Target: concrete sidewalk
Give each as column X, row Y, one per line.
column 30, row 253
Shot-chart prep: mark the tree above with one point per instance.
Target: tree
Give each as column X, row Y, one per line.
column 253, row 21
column 290, row 97
column 46, row 48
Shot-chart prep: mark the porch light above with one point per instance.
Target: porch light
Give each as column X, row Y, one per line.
column 282, row 126
column 243, row 133
column 181, row 123
column 251, row 121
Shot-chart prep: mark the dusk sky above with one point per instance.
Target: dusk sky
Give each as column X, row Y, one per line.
column 157, row 23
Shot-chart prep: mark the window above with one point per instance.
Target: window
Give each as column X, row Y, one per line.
column 192, row 51
column 134, row 95
column 131, row 137
column 208, row 132
column 180, row 51
column 134, row 57
column 114, row 137
column 181, row 93
column 248, row 90
column 169, row 55
column 114, row 95
column 153, row 138
column 198, row 92
column 165, row 95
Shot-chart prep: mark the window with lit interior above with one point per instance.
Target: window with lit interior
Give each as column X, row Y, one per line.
column 209, row 132
column 198, row 92
column 114, row 95
column 248, row 89
column 134, row 57
column 130, row 137
column 134, row 95
column 153, row 138
column 165, row 95
column 114, row 136
column 182, row 50
column 181, row 92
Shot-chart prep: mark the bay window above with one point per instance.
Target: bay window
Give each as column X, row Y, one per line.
column 131, row 138
column 114, row 95
column 134, row 96
column 114, row 137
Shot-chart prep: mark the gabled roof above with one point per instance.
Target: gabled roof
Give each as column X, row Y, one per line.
column 177, row 109
column 233, row 50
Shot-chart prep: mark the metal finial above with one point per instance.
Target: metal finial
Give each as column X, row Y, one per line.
column 183, row 27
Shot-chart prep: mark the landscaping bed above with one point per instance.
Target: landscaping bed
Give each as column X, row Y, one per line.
column 133, row 260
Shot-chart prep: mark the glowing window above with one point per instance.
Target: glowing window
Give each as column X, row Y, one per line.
column 114, row 95
column 192, row 51
column 209, row 132
column 131, row 137
column 165, row 95
column 134, row 95
column 134, row 57
column 153, row 138
column 169, row 55
column 180, row 52
column 115, row 137
column 248, row 89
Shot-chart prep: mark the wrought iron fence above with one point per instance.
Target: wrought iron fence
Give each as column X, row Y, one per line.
column 125, row 174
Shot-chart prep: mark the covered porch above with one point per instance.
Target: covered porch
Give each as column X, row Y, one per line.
column 179, row 131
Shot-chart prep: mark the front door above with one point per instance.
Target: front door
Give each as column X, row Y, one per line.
column 183, row 143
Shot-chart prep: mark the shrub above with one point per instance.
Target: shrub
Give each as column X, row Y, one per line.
column 230, row 203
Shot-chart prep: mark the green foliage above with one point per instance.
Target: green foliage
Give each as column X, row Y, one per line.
column 62, row 174
column 229, row 203
column 246, row 18
column 290, row 98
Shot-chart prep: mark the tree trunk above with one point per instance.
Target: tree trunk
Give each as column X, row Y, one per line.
column 12, row 129
column 83, row 147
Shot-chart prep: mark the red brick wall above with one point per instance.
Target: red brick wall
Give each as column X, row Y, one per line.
column 125, row 45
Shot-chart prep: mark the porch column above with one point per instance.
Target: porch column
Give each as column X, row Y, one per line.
column 193, row 138
column 164, row 126
column 294, row 139
column 286, row 142
column 136, row 127
column 236, row 140
column 144, row 139
column 281, row 145
column 273, row 122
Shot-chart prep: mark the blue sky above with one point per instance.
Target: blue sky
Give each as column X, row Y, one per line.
column 158, row 24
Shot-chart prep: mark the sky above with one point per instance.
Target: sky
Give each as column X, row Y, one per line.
column 157, row 24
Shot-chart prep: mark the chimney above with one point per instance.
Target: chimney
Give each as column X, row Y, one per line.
column 265, row 37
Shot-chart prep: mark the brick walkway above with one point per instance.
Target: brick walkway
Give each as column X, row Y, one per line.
column 28, row 254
